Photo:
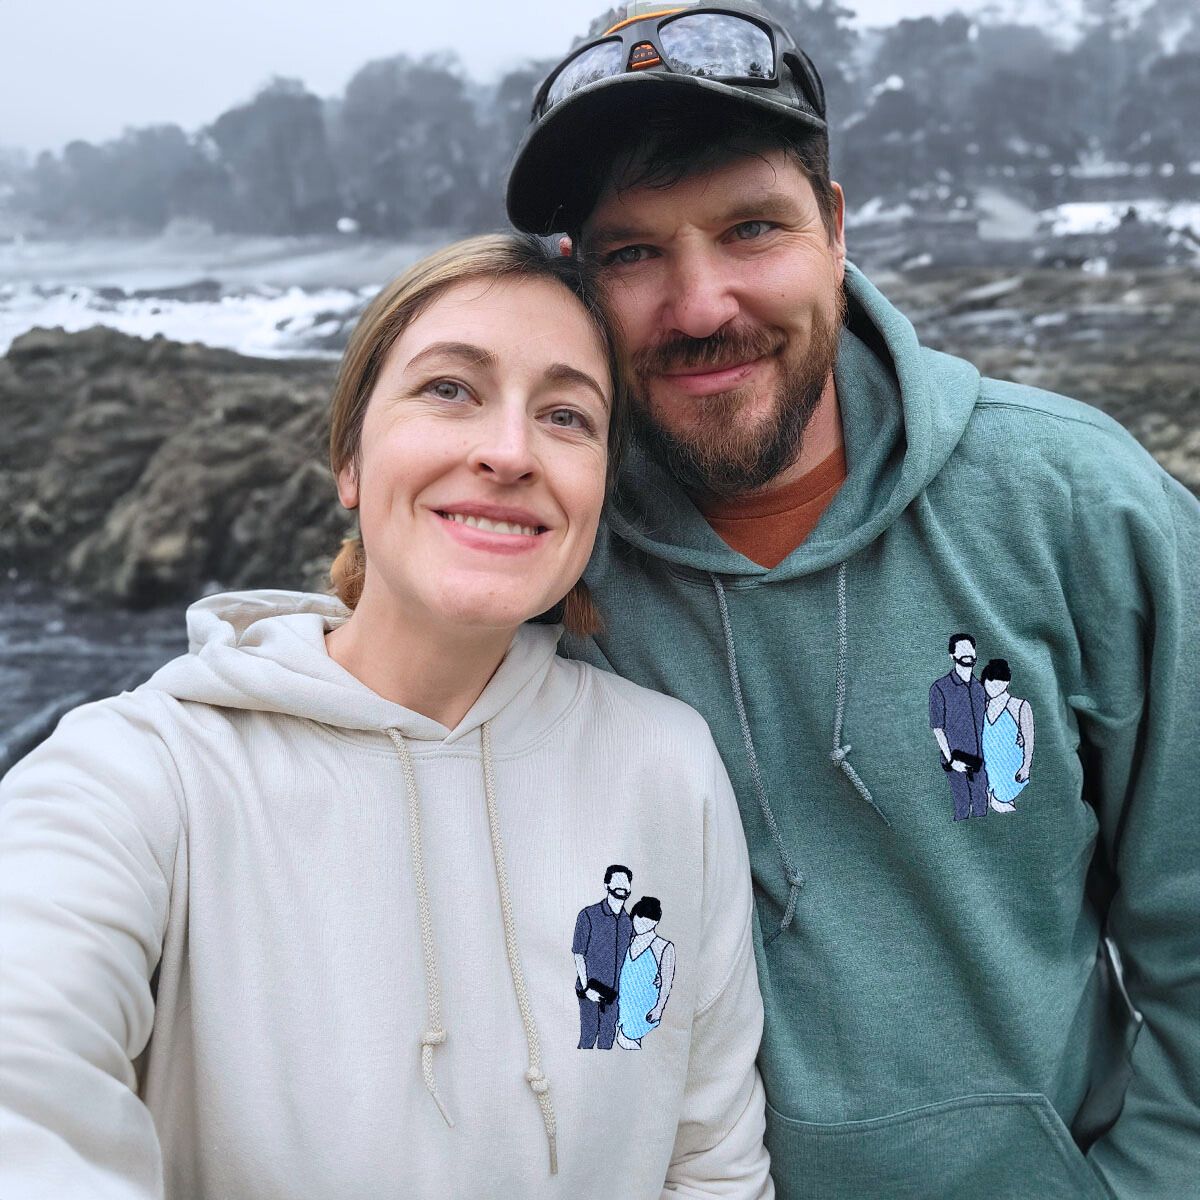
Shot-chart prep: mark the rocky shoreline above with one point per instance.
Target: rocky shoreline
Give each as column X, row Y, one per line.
column 137, row 475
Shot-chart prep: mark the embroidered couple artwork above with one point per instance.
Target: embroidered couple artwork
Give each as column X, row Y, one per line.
column 984, row 733
column 623, row 969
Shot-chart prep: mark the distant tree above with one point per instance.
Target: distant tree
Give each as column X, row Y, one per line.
column 503, row 122
column 1156, row 123
column 409, row 148
column 277, row 157
column 823, row 30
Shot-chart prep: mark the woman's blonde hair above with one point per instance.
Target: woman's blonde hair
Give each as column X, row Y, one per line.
column 492, row 256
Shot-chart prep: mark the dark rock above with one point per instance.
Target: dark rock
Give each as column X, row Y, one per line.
column 138, row 471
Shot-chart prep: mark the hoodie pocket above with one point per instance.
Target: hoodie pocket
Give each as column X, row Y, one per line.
column 995, row 1147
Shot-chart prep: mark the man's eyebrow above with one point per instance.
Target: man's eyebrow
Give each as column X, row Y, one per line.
column 606, row 235
column 477, row 356
column 764, row 208
column 562, row 373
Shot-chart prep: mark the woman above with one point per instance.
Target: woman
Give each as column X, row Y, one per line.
column 294, row 917
column 1007, row 738
column 646, row 976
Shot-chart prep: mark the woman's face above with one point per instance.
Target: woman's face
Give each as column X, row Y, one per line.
column 483, row 456
column 643, row 924
column 994, row 687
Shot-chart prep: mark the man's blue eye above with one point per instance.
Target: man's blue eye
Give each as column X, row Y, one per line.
column 627, row 255
column 748, row 230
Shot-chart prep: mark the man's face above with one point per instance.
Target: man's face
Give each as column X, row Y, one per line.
column 618, row 886
column 728, row 287
column 964, row 653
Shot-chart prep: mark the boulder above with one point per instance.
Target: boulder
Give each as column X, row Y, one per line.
column 144, row 471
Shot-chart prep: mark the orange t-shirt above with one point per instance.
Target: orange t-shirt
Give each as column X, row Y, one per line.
column 768, row 527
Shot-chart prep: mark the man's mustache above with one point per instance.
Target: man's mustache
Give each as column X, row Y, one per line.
column 725, row 348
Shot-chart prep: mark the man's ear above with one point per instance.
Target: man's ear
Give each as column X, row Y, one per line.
column 839, row 241
column 347, row 486
column 564, row 246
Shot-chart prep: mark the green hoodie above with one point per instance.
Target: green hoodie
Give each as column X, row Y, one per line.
column 943, row 1015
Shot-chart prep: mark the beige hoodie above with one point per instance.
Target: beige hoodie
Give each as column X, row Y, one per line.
column 212, row 982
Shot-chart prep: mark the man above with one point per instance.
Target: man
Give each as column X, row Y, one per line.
column 602, row 935
column 957, row 703
column 811, row 501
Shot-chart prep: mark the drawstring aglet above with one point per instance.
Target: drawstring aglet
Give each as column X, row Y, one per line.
column 429, row 1039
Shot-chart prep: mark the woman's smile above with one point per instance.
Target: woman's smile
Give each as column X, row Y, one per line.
column 483, row 457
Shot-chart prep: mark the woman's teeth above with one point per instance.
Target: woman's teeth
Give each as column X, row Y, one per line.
column 491, row 526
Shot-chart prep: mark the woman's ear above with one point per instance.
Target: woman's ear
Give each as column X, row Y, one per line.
column 347, row 486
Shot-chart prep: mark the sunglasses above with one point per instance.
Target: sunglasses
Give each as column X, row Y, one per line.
column 708, row 43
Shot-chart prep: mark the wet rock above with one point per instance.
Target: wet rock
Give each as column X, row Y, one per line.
column 133, row 468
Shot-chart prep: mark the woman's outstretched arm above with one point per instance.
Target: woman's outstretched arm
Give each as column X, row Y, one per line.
column 89, row 834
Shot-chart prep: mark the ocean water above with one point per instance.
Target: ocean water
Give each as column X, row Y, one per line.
column 270, row 297
column 55, row 656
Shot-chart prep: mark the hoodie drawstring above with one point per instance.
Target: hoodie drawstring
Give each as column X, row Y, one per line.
column 534, row 1075
column 840, row 754
column 794, row 879
column 435, row 1035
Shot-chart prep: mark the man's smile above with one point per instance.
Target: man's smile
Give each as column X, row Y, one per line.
column 707, row 380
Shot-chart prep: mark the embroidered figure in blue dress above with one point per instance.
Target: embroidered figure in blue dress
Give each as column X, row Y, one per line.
column 1007, row 738
column 646, row 976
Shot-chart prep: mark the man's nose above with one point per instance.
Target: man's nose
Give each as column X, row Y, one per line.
column 504, row 449
column 701, row 297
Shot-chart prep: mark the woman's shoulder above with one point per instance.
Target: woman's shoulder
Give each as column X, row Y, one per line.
column 109, row 762
column 622, row 700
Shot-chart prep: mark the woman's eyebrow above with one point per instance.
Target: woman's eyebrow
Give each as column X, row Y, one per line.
column 562, row 373
column 477, row 356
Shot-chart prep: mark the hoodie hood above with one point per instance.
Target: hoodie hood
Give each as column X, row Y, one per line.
column 265, row 651
column 902, row 417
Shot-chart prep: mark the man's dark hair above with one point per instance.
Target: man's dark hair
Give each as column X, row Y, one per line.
column 647, row 906
column 997, row 668
column 960, row 637
column 617, row 869
column 696, row 133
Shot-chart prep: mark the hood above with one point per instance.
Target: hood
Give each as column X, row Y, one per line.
column 904, row 409
column 265, row 651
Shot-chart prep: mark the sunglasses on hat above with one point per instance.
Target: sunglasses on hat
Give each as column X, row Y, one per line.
column 703, row 42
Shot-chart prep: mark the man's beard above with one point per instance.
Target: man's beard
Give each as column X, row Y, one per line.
column 717, row 457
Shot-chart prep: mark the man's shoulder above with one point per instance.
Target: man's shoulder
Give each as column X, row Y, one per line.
column 1036, row 436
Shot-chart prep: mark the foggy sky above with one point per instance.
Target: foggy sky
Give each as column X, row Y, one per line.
column 88, row 68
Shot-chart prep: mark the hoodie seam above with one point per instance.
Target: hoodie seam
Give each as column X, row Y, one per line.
column 454, row 751
column 1118, row 434
column 744, row 947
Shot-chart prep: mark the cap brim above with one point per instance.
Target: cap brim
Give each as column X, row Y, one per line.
column 552, row 183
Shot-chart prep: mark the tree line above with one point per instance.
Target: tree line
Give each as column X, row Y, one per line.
column 415, row 144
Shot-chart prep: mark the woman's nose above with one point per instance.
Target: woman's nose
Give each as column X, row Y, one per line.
column 504, row 449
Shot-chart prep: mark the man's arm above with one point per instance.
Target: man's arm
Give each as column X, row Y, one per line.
column 1138, row 705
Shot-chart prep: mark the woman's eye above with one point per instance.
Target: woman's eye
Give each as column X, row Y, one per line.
column 568, row 418
column 749, row 230
column 447, row 389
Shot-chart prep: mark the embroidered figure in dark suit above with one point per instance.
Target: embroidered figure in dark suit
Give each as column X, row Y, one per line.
column 602, row 935
column 957, row 703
